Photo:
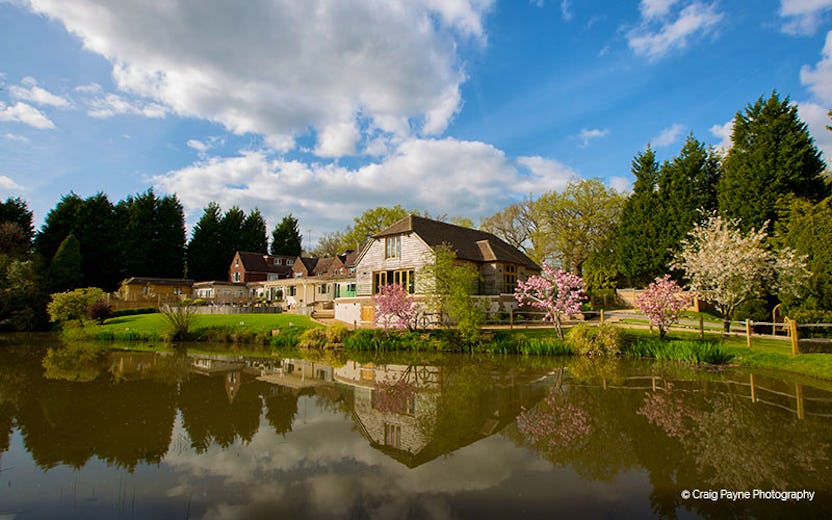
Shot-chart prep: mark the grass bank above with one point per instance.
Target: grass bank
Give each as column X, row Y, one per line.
column 278, row 330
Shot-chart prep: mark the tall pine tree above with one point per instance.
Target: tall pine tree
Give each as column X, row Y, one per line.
column 773, row 155
column 253, row 234
column 286, row 239
column 204, row 246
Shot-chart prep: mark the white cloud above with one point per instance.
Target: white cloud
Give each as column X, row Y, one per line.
column 114, row 104
column 14, row 137
column 819, row 78
column 659, row 33
column 621, row 184
column 587, row 135
column 465, row 178
column 803, row 17
column 30, row 91
column 26, row 114
column 667, row 136
column 723, row 132
column 197, row 145
column 90, row 88
column 297, row 65
column 566, row 10
column 8, row 184
column 817, row 119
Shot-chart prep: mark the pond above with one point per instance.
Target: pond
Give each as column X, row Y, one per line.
column 176, row 435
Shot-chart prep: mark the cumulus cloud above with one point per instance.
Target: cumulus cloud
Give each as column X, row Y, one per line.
column 7, row 183
column 297, row 65
column 465, row 178
column 803, row 17
column 819, row 78
column 667, row 136
column 114, row 104
column 659, row 32
column 817, row 119
column 28, row 90
column 723, row 133
column 586, row 135
column 27, row 114
column 621, row 184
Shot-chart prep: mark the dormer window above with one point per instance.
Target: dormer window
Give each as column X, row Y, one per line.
column 393, row 247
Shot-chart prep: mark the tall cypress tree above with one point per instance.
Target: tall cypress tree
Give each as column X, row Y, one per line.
column 773, row 155
column 65, row 269
column 204, row 247
column 286, row 239
column 639, row 245
column 253, row 233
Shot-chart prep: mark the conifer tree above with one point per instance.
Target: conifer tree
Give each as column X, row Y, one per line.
column 65, row 269
column 286, row 239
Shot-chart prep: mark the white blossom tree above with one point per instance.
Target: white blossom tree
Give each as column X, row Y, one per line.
column 727, row 267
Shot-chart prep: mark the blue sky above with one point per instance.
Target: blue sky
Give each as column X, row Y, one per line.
column 326, row 108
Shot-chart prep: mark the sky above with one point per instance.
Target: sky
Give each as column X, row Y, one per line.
column 325, row 108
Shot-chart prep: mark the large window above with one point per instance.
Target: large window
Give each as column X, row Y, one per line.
column 404, row 277
column 510, row 278
column 393, row 247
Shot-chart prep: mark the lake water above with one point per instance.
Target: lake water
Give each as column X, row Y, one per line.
column 145, row 435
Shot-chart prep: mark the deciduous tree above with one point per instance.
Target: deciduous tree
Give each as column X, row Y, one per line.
column 394, row 308
column 556, row 291
column 662, row 302
column 371, row 222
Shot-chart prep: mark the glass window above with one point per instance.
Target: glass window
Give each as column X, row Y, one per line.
column 393, row 247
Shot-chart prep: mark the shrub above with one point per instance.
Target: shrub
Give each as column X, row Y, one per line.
column 604, row 340
column 336, row 333
column 72, row 305
column 99, row 311
column 313, row 338
column 811, row 316
column 134, row 312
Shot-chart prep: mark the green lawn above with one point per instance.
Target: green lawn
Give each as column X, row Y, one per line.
column 154, row 327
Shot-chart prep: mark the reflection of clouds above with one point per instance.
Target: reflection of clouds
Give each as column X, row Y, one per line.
column 326, row 468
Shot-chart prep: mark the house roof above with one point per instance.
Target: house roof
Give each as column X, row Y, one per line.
column 469, row 244
column 214, row 283
column 144, row 280
column 260, row 263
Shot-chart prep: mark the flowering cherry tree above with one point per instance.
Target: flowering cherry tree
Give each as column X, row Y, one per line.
column 394, row 308
column 557, row 292
column 662, row 302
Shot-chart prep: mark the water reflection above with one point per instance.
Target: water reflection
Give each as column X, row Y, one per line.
column 232, row 437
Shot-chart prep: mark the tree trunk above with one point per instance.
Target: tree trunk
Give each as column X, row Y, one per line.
column 558, row 327
column 726, row 326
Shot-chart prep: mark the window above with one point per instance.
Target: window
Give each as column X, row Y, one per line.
column 392, row 435
column 290, row 261
column 323, row 289
column 236, row 277
column 293, row 290
column 509, row 278
column 405, row 277
column 236, row 262
column 393, row 247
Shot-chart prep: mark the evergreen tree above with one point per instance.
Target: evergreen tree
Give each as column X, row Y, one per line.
column 153, row 235
column 253, row 233
column 16, row 229
column 169, row 262
column 286, row 239
column 639, row 251
column 65, row 269
column 772, row 155
column 204, row 247
column 60, row 222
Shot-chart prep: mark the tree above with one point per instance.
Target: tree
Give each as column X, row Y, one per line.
column 639, row 246
column 450, row 285
column 727, row 267
column 73, row 305
column 253, row 233
column 773, row 155
column 16, row 229
column 558, row 292
column 394, row 308
column 579, row 221
column 371, row 222
column 807, row 228
column 330, row 244
column 204, row 262
column 520, row 226
column 152, row 235
column 662, row 302
column 286, row 239
column 65, row 269
column 23, row 294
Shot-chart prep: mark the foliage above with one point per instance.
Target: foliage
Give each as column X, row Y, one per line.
column 23, row 294
column 394, row 308
column 329, row 244
column 253, row 236
column 691, row 351
column 604, row 340
column 727, row 267
column 557, row 292
column 151, row 235
column 393, row 397
column 662, row 302
column 450, row 285
column 314, row 337
column 65, row 269
column 519, row 225
column 773, row 155
column 16, row 230
column 519, row 343
column 217, row 236
column 286, row 238
column 371, row 222
column 337, row 333
column 807, row 228
column 73, row 305
column 99, row 311
column 74, row 362
column 180, row 317
column 555, row 423
column 811, row 316
column 579, row 221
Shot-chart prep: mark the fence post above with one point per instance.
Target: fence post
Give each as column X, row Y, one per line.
column 602, row 316
column 793, row 331
column 748, row 332
column 511, row 319
column 701, row 327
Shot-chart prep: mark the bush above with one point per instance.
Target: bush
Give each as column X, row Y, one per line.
column 134, row 312
column 604, row 340
column 336, row 333
column 313, row 338
column 811, row 316
column 72, row 305
column 99, row 311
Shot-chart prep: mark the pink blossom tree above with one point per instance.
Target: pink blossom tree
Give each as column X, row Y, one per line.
column 555, row 291
column 662, row 302
column 394, row 308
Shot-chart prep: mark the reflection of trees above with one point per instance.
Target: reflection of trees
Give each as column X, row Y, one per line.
column 554, row 423
column 281, row 408
column 210, row 416
column 74, row 362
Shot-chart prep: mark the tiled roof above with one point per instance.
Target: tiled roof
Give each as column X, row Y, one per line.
column 143, row 280
column 469, row 244
column 260, row 263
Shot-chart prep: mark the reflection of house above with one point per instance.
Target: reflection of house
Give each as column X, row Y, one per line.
column 398, row 253
column 258, row 267
column 154, row 290
column 315, row 282
column 222, row 292
column 297, row 374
